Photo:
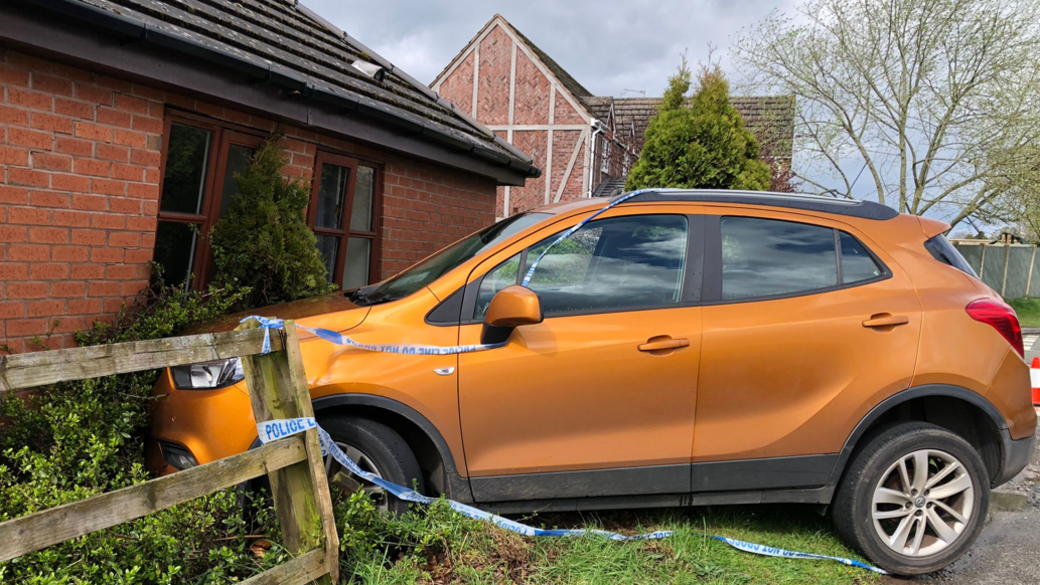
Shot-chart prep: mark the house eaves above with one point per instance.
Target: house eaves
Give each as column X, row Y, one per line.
column 285, row 62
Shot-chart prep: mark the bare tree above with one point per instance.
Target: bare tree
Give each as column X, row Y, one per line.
column 932, row 104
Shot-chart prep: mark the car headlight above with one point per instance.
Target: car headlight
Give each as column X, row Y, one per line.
column 208, row 375
column 177, row 456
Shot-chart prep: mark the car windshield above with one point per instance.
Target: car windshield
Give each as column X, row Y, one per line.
column 432, row 268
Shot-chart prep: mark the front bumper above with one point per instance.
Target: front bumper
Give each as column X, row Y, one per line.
column 208, row 424
column 1017, row 455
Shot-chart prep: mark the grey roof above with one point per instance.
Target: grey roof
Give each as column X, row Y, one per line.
column 599, row 106
column 611, row 187
column 287, row 39
column 770, row 119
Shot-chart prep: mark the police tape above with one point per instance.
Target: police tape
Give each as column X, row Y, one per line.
column 269, row 323
column 570, row 232
column 280, row 429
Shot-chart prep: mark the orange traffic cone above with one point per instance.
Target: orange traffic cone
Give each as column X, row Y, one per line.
column 1034, row 374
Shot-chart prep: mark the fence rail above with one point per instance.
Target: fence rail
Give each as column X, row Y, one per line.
column 278, row 389
column 1009, row 269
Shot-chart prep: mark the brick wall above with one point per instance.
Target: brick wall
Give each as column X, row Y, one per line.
column 79, row 190
column 531, row 195
column 79, row 194
column 531, row 116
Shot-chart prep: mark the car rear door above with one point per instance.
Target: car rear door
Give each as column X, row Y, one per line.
column 598, row 399
column 807, row 324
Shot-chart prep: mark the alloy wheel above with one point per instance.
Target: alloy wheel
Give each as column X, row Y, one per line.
column 378, row 494
column 923, row 503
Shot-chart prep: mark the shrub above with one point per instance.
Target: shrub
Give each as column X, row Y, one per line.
column 699, row 145
column 264, row 242
column 379, row 548
column 79, row 439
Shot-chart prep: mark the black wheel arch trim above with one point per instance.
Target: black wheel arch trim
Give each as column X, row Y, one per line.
column 458, row 485
column 943, row 390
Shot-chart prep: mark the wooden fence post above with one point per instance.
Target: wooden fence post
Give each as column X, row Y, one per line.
column 1007, row 260
column 278, row 389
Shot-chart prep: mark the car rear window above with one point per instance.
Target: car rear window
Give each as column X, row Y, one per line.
column 767, row 257
column 857, row 265
column 770, row 258
column 942, row 250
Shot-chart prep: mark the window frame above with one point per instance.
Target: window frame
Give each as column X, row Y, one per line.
column 345, row 232
column 712, row 294
column 222, row 137
column 689, row 294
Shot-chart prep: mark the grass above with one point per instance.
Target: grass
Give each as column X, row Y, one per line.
column 463, row 551
column 1028, row 311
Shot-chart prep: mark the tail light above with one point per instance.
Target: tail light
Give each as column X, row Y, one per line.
column 1000, row 316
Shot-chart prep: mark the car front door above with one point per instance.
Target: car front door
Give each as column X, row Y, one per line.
column 598, row 399
column 807, row 324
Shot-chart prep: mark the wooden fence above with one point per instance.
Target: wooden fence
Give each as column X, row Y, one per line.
column 278, row 389
column 1009, row 269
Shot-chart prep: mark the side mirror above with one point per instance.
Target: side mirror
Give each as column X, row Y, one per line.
column 512, row 307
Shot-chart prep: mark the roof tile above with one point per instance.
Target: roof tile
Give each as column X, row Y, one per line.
column 770, row 119
column 274, row 34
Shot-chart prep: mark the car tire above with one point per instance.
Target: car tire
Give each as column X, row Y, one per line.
column 881, row 511
column 379, row 449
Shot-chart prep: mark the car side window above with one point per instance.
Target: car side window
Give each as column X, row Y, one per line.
column 503, row 275
column 768, row 257
column 611, row 264
column 857, row 264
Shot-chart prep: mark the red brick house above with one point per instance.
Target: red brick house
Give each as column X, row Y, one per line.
column 504, row 80
column 123, row 122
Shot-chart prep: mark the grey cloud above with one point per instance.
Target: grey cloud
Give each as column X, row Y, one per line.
column 608, row 46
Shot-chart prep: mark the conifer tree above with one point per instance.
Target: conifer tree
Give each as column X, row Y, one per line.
column 700, row 142
column 264, row 241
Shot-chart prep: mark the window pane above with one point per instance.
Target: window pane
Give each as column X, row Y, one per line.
column 618, row 263
column 186, row 158
column 499, row 278
column 364, row 192
column 328, row 246
column 332, row 192
column 765, row 257
column 175, row 250
column 238, row 160
column 856, row 263
column 432, row 268
column 359, row 257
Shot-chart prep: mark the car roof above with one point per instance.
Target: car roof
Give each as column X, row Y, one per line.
column 847, row 207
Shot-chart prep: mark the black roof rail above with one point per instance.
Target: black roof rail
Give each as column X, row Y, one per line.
column 848, row 207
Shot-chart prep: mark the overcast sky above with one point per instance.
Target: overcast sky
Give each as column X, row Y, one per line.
column 609, row 46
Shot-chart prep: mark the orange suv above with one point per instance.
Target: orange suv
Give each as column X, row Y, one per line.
column 683, row 348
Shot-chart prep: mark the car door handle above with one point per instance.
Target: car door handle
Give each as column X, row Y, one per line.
column 664, row 344
column 886, row 320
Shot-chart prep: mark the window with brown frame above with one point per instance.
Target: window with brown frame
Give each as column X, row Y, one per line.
column 344, row 216
column 200, row 161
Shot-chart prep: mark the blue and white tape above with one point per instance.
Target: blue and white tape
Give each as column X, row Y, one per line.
column 570, row 232
column 279, row 429
column 269, row 323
